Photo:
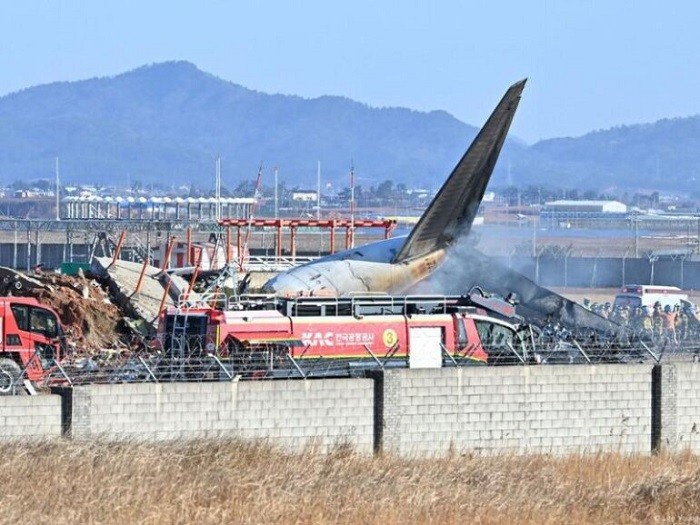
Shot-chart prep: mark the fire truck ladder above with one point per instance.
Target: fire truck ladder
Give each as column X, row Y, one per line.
column 179, row 342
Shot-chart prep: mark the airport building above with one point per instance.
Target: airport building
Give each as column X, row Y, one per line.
column 155, row 208
column 564, row 211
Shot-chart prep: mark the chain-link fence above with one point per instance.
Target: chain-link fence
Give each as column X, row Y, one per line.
column 565, row 269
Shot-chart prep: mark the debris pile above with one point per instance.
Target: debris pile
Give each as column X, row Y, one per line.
column 92, row 319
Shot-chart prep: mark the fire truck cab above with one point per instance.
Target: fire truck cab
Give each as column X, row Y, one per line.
column 32, row 339
column 339, row 336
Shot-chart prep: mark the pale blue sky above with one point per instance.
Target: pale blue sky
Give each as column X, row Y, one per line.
column 591, row 64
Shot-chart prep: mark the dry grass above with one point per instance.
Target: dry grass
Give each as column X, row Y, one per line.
column 233, row 482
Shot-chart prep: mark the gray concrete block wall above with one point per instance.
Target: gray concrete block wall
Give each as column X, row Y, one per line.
column 292, row 414
column 558, row 409
column 30, row 417
column 680, row 407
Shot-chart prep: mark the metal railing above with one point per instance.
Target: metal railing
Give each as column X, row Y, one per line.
column 271, row 263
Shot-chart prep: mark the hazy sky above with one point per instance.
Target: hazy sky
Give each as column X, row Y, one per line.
column 591, row 64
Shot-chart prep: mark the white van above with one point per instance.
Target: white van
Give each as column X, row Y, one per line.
column 634, row 295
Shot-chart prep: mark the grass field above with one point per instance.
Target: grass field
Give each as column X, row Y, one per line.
column 234, row 482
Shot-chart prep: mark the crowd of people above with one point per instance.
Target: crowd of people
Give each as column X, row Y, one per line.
column 673, row 324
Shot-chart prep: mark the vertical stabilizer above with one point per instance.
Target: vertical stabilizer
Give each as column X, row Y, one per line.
column 454, row 207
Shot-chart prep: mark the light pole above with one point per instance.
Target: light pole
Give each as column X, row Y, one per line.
column 318, row 190
column 276, row 197
column 352, row 206
column 58, row 198
column 217, row 187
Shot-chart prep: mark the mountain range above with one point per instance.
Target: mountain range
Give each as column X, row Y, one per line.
column 166, row 123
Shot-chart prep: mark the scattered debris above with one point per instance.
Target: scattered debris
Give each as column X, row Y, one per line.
column 140, row 291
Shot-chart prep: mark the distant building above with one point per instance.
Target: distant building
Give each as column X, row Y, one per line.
column 26, row 194
column 304, row 195
column 564, row 210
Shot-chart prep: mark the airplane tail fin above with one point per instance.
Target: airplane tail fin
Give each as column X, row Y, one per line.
column 454, row 207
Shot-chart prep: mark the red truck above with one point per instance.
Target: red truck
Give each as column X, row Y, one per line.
column 337, row 336
column 32, row 340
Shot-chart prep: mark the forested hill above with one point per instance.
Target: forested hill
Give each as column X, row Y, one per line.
column 166, row 123
column 664, row 155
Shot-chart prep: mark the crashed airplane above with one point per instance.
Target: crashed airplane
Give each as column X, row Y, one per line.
column 399, row 264
column 394, row 265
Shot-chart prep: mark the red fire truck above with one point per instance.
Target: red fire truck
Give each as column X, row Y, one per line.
column 32, row 340
column 339, row 336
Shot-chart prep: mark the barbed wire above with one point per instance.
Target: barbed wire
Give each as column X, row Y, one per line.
column 189, row 359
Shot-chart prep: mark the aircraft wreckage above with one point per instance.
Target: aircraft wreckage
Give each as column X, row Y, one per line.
column 439, row 246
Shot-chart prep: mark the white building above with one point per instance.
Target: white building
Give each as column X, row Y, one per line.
column 569, row 209
column 304, row 195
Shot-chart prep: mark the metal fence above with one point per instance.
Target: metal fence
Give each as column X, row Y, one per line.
column 607, row 272
column 191, row 362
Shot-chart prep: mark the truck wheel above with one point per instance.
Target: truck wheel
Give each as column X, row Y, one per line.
column 9, row 376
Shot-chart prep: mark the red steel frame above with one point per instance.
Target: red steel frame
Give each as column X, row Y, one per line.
column 293, row 224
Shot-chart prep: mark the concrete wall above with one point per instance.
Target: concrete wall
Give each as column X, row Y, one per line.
column 25, row 417
column 289, row 413
column 677, row 414
column 556, row 409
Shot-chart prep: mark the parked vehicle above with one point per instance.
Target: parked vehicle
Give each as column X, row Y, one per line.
column 634, row 295
column 32, row 341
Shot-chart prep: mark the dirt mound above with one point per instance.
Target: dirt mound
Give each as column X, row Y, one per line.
column 92, row 321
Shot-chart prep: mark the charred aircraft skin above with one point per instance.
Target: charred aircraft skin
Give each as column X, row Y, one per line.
column 538, row 305
column 395, row 265
column 363, row 269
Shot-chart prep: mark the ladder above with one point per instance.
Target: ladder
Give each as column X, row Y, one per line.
column 178, row 342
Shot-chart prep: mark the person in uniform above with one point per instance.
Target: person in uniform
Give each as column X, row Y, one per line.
column 647, row 324
column 657, row 322
column 668, row 320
